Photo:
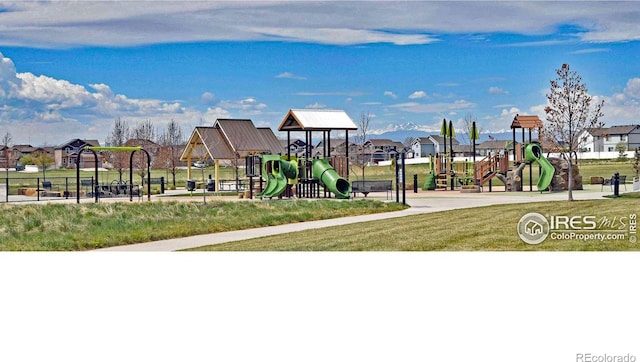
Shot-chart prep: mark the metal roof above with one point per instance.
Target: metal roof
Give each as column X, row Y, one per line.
column 316, row 120
column 212, row 140
column 526, row 122
column 243, row 137
column 271, row 141
column 229, row 137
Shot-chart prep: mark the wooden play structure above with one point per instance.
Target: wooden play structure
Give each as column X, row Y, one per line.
column 312, row 121
column 238, row 141
column 498, row 165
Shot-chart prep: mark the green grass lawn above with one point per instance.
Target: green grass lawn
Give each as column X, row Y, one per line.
column 90, row 226
column 479, row 229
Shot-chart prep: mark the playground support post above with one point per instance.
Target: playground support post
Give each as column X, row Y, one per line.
column 451, row 135
column 397, row 178
column 404, row 181
column 95, row 184
column 131, row 173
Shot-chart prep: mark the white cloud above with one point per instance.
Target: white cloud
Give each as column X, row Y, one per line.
column 417, row 94
column 289, row 75
column 247, row 106
column 208, row 98
column 316, row 105
column 415, row 107
column 59, row 24
column 497, row 91
column 632, row 90
column 622, row 108
column 390, row 94
column 41, row 109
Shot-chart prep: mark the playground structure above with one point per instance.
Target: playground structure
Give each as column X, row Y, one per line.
column 282, row 174
column 285, row 175
column 498, row 165
column 445, row 172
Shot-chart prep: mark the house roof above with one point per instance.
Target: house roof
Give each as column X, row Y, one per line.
column 462, row 148
column 526, row 122
column 619, row 130
column 596, row 132
column 440, row 139
column 316, row 120
column 74, row 140
column 495, row 144
column 380, row 141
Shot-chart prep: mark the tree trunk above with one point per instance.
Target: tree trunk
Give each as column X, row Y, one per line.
column 570, row 182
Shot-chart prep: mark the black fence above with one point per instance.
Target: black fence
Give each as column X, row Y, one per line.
column 58, row 188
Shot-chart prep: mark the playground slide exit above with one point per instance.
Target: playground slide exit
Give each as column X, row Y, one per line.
column 327, row 175
column 533, row 153
column 278, row 172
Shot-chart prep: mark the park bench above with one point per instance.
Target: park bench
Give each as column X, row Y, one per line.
column 367, row 186
column 610, row 182
column 48, row 186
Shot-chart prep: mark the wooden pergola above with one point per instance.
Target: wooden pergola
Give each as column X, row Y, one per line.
column 228, row 139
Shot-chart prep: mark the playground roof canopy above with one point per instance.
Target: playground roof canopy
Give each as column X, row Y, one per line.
column 316, row 120
column 230, row 137
column 526, row 122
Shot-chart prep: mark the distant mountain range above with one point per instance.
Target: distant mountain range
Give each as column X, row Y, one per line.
column 401, row 132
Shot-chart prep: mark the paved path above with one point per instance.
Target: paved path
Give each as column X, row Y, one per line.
column 421, row 203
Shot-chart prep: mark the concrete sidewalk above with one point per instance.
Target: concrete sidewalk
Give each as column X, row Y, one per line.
column 421, row 203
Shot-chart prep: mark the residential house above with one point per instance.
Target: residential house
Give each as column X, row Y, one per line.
column 606, row 139
column 431, row 145
column 337, row 147
column 66, row 154
column 423, row 147
column 376, row 150
column 296, row 148
column 5, row 156
column 18, row 151
column 463, row 151
column 494, row 147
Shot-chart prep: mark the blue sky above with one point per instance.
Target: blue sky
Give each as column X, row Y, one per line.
column 67, row 70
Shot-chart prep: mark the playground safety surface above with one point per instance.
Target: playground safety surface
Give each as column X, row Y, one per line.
column 421, row 203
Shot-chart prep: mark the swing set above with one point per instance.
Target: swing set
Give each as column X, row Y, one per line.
column 93, row 150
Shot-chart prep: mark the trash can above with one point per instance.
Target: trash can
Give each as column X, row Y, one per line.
column 191, row 185
column 211, row 185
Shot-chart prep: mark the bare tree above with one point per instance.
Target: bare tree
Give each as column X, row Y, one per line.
column 361, row 138
column 6, row 140
column 145, row 130
column 144, row 134
column 171, row 142
column 408, row 141
column 569, row 115
column 467, row 124
column 119, row 136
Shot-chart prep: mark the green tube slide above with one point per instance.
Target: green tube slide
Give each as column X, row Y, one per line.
column 533, row 153
column 328, row 177
column 278, row 173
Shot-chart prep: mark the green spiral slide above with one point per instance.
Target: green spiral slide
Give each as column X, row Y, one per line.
column 533, row 153
column 327, row 175
column 279, row 173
